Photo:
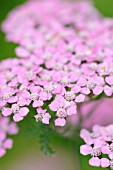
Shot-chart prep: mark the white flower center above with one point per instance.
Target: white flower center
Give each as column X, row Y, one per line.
column 61, row 113
column 48, row 89
column 30, row 46
column 46, row 77
column 65, row 81
column 69, row 96
column 9, row 76
column 15, row 108
column 94, row 135
column 28, row 65
column 70, row 47
column 91, row 84
column 6, row 96
column 47, row 56
column 58, row 66
column 34, row 96
column 79, row 55
column 93, row 66
column 39, row 117
column 78, row 72
column 96, row 152
column 29, row 75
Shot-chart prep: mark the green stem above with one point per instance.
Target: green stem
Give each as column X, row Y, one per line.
column 76, row 148
column 76, row 158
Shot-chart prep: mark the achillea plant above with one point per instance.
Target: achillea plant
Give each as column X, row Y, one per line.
column 64, row 61
column 99, row 143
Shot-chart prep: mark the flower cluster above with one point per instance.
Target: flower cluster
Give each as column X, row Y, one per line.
column 62, row 61
column 6, row 128
column 99, row 144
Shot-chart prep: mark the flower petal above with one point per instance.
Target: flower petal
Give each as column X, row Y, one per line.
column 95, row 161
column 85, row 150
column 23, row 111
column 60, row 122
column 17, row 118
column 105, row 162
column 6, row 111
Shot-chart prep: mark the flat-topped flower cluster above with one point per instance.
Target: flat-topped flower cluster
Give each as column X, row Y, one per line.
column 64, row 58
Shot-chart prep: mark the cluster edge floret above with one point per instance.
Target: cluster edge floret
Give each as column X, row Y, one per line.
column 98, row 144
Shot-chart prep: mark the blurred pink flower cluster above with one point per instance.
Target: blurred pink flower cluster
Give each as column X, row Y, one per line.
column 94, row 112
column 62, row 61
column 6, row 128
column 99, row 144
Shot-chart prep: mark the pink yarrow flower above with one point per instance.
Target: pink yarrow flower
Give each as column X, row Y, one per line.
column 63, row 109
column 19, row 113
column 98, row 143
column 42, row 116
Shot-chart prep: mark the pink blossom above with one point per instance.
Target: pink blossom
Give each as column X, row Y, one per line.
column 63, row 108
column 102, row 145
column 19, row 113
column 42, row 116
column 6, row 128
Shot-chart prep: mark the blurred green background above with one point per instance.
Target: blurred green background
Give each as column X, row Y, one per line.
column 26, row 149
